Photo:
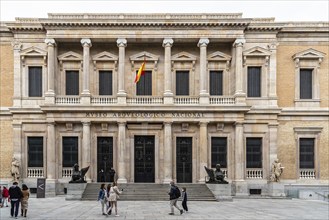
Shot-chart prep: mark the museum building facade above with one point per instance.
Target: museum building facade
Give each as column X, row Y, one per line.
column 217, row 89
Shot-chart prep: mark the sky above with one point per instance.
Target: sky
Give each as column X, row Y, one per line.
column 281, row 10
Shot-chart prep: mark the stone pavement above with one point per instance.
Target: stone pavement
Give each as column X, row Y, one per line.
column 59, row 208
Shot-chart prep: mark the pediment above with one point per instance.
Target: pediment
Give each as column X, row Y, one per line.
column 309, row 54
column 144, row 56
column 219, row 56
column 70, row 56
column 105, row 56
column 183, row 56
column 33, row 51
column 257, row 51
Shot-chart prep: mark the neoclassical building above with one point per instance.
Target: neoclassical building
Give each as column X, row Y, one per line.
column 217, row 88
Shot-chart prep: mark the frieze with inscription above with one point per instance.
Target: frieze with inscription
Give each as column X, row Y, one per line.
column 144, row 115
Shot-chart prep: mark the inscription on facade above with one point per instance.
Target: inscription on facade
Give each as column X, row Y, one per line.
column 144, row 115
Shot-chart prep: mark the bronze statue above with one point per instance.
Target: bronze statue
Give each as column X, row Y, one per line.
column 78, row 176
column 215, row 176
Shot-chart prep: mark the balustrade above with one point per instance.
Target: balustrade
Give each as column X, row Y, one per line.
column 222, row 100
column 186, row 100
column 254, row 173
column 67, row 100
column 145, row 100
column 103, row 100
column 307, row 174
column 67, row 172
column 35, row 172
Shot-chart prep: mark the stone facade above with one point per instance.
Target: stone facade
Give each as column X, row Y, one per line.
column 197, row 43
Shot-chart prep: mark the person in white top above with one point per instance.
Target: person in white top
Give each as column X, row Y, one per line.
column 113, row 197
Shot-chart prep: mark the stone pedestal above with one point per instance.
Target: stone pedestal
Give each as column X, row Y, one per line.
column 240, row 188
column 75, row 191
column 276, row 189
column 50, row 187
column 222, row 192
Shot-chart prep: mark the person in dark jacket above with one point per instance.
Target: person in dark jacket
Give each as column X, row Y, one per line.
column 15, row 194
column 174, row 195
column 184, row 196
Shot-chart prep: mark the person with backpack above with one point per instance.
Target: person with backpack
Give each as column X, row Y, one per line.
column 16, row 195
column 174, row 195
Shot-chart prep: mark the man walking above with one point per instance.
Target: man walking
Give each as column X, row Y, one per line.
column 174, row 195
column 15, row 194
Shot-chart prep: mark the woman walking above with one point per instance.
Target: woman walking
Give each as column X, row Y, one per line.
column 113, row 197
column 184, row 196
column 25, row 198
column 102, row 197
column 5, row 195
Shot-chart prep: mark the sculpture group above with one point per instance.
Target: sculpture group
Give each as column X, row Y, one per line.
column 216, row 176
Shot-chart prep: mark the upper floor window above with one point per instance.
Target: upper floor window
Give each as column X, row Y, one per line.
column 306, row 83
column 35, row 151
column 219, row 151
column 254, row 152
column 216, row 82
column 254, row 82
column 35, row 81
column 144, row 85
column 70, row 151
column 105, row 83
column 182, row 83
column 72, row 82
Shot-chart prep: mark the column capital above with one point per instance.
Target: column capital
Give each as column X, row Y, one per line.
column 203, row 42
column 86, row 42
column 167, row 42
column 51, row 123
column 85, row 123
column 17, row 45
column 238, row 124
column 121, row 123
column 239, row 42
column 50, row 42
column 121, row 42
column 203, row 123
column 167, row 123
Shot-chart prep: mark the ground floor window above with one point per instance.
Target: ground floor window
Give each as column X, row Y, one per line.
column 306, row 153
column 70, row 151
column 254, row 152
column 35, row 151
column 219, row 151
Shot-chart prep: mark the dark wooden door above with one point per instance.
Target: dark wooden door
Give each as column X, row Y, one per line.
column 104, row 158
column 184, row 159
column 144, row 159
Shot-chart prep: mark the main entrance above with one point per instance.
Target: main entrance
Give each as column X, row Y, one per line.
column 184, row 159
column 144, row 159
column 104, row 159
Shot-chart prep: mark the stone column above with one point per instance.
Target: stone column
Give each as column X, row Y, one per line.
column 86, row 44
column 168, row 166
column 272, row 75
column 86, row 150
column 240, row 95
column 168, row 95
column 121, row 153
column 50, row 94
column 51, row 160
column 203, row 150
column 17, row 98
column 121, row 43
column 240, row 158
column 203, row 78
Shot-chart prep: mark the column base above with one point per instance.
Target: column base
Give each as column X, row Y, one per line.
column 166, row 181
column 122, row 180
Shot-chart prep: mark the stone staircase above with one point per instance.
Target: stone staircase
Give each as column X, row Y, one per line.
column 151, row 192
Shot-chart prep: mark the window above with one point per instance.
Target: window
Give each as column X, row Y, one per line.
column 219, row 151
column 306, row 83
column 144, row 85
column 72, row 82
column 105, row 82
column 70, row 151
column 254, row 81
column 254, row 152
column 182, row 83
column 306, row 153
column 35, row 151
column 35, row 81
column 216, row 82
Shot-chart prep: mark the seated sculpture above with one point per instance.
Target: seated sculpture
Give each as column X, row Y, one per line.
column 78, row 176
column 215, row 176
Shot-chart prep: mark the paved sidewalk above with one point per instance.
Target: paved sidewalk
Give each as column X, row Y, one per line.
column 59, row 208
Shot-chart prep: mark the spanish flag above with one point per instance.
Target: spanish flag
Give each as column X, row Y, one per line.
column 140, row 72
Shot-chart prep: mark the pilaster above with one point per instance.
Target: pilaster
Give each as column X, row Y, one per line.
column 168, row 94
column 121, row 43
column 51, row 160
column 85, row 95
column 272, row 75
column 17, row 99
column 50, row 94
column 86, row 150
column 122, row 178
column 203, row 151
column 203, row 78
column 239, row 154
column 239, row 94
column 167, row 152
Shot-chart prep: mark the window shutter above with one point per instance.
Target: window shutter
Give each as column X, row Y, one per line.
column 72, row 83
column 182, row 83
column 216, row 82
column 254, row 81
column 35, row 81
column 105, row 82
column 144, row 85
column 306, row 83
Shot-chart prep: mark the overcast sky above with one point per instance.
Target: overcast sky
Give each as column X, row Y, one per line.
column 281, row 10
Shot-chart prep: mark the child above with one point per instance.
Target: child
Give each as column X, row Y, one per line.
column 184, row 202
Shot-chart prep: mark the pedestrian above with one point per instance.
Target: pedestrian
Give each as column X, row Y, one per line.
column 174, row 195
column 15, row 195
column 113, row 198
column 102, row 197
column 1, row 192
column 5, row 195
column 102, row 175
column 108, row 203
column 184, row 196
column 112, row 174
column 25, row 200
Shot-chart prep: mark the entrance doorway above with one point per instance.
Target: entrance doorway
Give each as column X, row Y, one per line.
column 184, row 159
column 144, row 159
column 104, row 159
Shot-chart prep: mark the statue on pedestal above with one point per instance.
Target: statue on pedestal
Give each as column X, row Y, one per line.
column 276, row 170
column 215, row 176
column 15, row 169
column 78, row 176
